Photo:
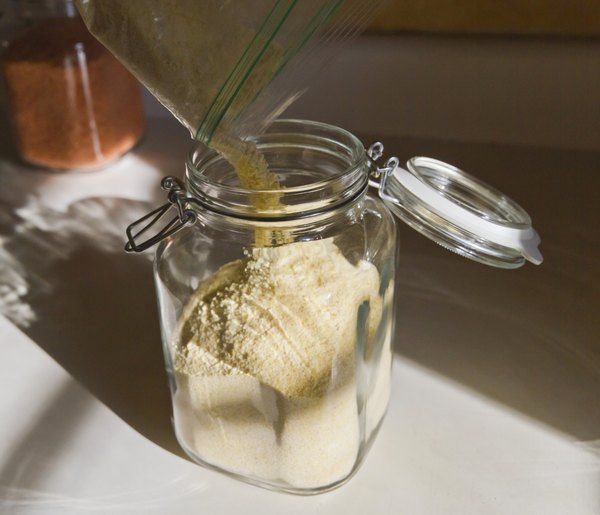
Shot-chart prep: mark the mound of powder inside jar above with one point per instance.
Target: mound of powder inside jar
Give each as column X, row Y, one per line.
column 264, row 359
column 73, row 105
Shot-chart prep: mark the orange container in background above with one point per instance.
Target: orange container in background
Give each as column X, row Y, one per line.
column 72, row 104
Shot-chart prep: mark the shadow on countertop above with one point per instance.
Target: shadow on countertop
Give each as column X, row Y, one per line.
column 79, row 296
column 526, row 338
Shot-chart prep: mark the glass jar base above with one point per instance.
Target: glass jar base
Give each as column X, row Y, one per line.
column 283, row 487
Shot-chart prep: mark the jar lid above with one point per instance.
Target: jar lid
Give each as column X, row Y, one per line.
column 460, row 212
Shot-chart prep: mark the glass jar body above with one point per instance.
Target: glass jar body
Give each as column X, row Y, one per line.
column 279, row 357
column 62, row 88
column 276, row 310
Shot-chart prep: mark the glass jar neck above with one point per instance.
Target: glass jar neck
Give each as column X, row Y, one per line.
column 320, row 168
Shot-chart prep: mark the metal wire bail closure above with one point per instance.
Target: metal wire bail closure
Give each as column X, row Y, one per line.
column 185, row 216
column 379, row 175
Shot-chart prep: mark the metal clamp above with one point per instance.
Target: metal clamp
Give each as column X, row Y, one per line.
column 186, row 216
column 378, row 175
column 176, row 197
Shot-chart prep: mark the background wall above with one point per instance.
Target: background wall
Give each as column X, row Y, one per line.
column 561, row 17
column 542, row 92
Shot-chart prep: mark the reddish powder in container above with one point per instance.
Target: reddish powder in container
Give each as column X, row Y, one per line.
column 73, row 105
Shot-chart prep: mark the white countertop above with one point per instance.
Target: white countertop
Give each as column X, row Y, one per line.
column 443, row 449
column 495, row 403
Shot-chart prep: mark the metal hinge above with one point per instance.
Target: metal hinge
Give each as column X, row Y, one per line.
column 378, row 175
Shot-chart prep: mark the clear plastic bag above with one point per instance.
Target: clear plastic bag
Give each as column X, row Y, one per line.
column 223, row 66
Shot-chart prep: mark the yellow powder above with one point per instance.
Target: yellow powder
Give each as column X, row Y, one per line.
column 184, row 51
column 265, row 360
column 253, row 172
column 251, row 167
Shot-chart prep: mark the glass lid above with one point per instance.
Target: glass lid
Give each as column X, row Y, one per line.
column 458, row 211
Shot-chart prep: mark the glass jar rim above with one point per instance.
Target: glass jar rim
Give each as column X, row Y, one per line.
column 344, row 177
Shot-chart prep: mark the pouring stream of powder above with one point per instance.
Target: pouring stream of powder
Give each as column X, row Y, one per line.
column 253, row 172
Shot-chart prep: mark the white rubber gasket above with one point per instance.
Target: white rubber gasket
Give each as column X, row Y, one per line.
column 525, row 240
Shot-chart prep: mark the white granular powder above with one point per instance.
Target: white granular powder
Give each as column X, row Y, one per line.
column 265, row 360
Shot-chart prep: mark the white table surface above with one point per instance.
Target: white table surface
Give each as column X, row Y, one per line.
column 444, row 448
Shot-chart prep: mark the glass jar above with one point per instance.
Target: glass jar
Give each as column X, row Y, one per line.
column 279, row 353
column 72, row 104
